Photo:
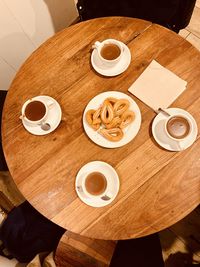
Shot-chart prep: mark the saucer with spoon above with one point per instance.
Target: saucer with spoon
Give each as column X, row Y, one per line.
column 41, row 115
column 97, row 184
column 174, row 129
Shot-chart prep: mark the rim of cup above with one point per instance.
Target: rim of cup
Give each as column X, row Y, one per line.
column 91, row 195
column 99, row 45
column 183, row 116
column 23, row 116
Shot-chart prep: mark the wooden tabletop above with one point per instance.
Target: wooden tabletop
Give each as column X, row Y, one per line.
column 158, row 187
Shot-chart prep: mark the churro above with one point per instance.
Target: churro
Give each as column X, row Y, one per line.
column 111, row 118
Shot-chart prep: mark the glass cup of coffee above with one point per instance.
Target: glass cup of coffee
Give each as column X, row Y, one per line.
column 34, row 111
column 109, row 51
column 95, row 185
column 178, row 127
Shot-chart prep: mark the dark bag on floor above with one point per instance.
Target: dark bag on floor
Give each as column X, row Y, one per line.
column 25, row 233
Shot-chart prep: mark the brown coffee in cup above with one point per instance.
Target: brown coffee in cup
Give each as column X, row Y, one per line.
column 35, row 110
column 178, row 127
column 95, row 183
column 110, row 51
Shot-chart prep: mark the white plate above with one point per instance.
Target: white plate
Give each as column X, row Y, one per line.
column 120, row 67
column 53, row 118
column 129, row 132
column 158, row 130
column 111, row 175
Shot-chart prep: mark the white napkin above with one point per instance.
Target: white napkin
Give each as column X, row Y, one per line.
column 157, row 86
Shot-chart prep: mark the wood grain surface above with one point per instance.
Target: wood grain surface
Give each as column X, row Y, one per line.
column 77, row 250
column 158, row 187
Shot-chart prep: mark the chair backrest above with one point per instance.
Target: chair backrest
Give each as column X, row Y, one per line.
column 173, row 14
column 3, row 165
column 5, row 204
column 76, row 250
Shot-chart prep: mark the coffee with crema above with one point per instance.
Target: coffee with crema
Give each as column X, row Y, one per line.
column 95, row 183
column 178, row 127
column 35, row 110
column 110, row 51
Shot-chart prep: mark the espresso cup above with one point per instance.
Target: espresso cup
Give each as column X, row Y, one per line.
column 109, row 51
column 95, row 185
column 178, row 127
column 34, row 111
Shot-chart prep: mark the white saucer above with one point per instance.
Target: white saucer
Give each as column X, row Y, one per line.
column 120, row 67
column 54, row 117
column 162, row 138
column 109, row 172
column 129, row 132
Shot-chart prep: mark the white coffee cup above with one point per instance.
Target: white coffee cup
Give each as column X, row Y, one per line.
column 100, row 45
column 105, row 195
column 42, row 105
column 178, row 127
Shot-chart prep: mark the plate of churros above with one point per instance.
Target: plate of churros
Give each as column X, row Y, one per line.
column 111, row 119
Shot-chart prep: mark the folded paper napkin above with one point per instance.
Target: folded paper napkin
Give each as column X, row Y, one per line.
column 157, row 86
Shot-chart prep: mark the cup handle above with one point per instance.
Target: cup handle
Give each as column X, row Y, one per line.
column 123, row 49
column 21, row 117
column 180, row 146
column 50, row 103
column 96, row 45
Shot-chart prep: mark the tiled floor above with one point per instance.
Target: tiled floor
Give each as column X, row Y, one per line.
column 192, row 31
column 180, row 242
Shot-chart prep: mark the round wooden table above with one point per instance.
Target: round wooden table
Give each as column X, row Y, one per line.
column 158, row 187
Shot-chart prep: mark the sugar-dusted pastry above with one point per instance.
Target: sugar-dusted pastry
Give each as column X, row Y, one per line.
column 116, row 121
column 126, row 118
column 110, row 118
column 121, row 106
column 96, row 126
column 107, row 113
column 112, row 100
column 89, row 119
column 96, row 116
column 113, row 135
column 89, row 116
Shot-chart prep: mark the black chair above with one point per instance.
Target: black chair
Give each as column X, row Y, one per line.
column 140, row 252
column 25, row 233
column 173, row 14
column 3, row 165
